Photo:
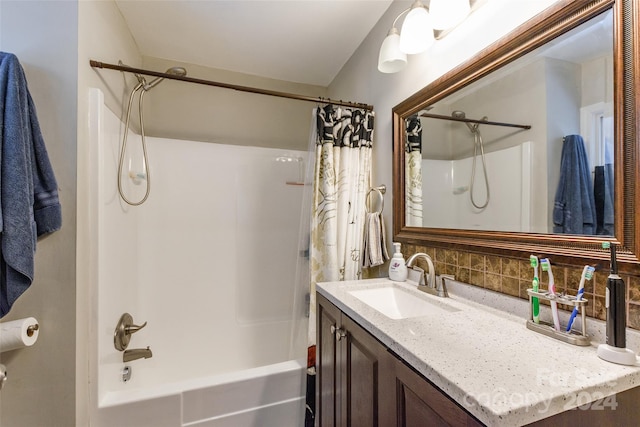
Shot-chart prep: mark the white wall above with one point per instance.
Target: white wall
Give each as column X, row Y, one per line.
column 41, row 390
column 359, row 80
column 205, row 113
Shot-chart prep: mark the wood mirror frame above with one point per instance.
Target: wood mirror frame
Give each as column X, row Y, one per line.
column 571, row 249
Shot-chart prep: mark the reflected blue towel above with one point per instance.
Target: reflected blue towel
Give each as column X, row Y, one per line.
column 603, row 192
column 574, row 210
column 29, row 205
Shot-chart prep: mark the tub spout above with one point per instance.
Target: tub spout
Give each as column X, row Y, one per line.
column 136, row 353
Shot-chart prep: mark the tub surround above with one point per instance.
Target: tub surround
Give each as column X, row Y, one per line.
column 485, row 358
column 180, row 271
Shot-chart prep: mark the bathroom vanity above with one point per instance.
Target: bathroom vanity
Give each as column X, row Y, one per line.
column 451, row 361
column 357, row 377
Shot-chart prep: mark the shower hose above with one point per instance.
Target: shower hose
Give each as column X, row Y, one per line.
column 139, row 86
column 477, row 142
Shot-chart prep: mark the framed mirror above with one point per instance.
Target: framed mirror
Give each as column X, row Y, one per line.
column 531, row 146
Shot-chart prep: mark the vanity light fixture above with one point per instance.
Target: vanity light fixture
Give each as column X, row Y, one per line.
column 448, row 13
column 417, row 33
column 417, row 30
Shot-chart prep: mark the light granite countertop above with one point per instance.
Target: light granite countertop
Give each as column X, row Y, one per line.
column 486, row 359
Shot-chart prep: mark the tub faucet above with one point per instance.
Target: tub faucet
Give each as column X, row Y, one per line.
column 136, row 353
column 438, row 288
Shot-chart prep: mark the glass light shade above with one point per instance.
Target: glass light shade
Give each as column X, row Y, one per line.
column 391, row 59
column 417, row 31
column 447, row 14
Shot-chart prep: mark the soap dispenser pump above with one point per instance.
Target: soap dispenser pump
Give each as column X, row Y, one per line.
column 397, row 265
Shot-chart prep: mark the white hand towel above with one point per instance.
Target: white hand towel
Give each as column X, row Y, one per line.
column 374, row 246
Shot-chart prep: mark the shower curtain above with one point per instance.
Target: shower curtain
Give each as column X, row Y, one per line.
column 413, row 173
column 342, row 177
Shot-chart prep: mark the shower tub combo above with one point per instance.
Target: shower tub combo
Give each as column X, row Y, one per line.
column 209, row 262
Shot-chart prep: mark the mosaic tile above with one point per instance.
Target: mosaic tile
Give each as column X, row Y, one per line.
column 462, row 275
column 451, row 257
column 476, row 278
column 524, row 285
column 599, row 308
column 510, row 267
column 633, row 285
column 511, row 286
column 526, row 271
column 493, row 282
column 633, row 319
column 494, row 264
column 464, row 259
column 476, row 262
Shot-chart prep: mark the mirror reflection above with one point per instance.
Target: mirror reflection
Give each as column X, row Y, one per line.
column 527, row 148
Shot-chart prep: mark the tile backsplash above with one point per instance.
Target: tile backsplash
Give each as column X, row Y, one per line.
column 512, row 276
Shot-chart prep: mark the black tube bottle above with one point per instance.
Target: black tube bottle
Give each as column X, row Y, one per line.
column 616, row 305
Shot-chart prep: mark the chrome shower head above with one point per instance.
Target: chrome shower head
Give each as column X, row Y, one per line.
column 457, row 114
column 174, row 71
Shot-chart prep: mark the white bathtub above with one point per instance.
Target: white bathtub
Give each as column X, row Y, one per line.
column 268, row 396
column 209, row 261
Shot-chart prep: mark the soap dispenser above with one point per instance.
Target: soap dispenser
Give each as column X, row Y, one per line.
column 397, row 266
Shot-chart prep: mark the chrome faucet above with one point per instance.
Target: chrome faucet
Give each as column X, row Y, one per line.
column 136, row 353
column 438, row 288
column 431, row 279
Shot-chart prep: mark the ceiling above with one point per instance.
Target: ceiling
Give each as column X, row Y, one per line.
column 304, row 41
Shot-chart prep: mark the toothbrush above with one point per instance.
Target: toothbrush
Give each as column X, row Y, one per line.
column 587, row 274
column 546, row 266
column 536, row 303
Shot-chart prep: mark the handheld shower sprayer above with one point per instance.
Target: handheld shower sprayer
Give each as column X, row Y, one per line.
column 145, row 174
column 477, row 143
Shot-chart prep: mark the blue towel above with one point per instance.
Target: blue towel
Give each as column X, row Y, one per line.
column 603, row 192
column 29, row 205
column 574, row 210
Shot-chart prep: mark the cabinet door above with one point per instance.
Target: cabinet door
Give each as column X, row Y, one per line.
column 327, row 388
column 419, row 403
column 362, row 376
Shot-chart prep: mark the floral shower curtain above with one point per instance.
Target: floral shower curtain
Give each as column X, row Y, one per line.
column 413, row 173
column 342, row 178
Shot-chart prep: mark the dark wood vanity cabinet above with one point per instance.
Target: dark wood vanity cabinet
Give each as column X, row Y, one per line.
column 361, row 383
column 350, row 363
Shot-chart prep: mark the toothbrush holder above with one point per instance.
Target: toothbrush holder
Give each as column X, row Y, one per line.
column 571, row 337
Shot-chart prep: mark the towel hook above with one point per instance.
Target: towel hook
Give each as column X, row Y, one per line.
column 380, row 191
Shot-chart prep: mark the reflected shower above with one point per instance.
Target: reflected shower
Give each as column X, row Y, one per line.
column 477, row 143
column 145, row 175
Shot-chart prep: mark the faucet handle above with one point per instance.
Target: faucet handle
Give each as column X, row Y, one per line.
column 442, row 288
column 123, row 331
column 416, row 274
column 132, row 329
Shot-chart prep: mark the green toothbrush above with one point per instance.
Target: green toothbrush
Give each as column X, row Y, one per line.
column 536, row 282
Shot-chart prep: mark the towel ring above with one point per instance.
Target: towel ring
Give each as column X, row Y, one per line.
column 380, row 191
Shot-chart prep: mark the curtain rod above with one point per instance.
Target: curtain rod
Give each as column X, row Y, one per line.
column 98, row 64
column 482, row 122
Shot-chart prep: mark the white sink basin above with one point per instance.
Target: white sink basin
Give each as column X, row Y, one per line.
column 397, row 303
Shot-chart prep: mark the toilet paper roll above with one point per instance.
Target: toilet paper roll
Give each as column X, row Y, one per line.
column 18, row 333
